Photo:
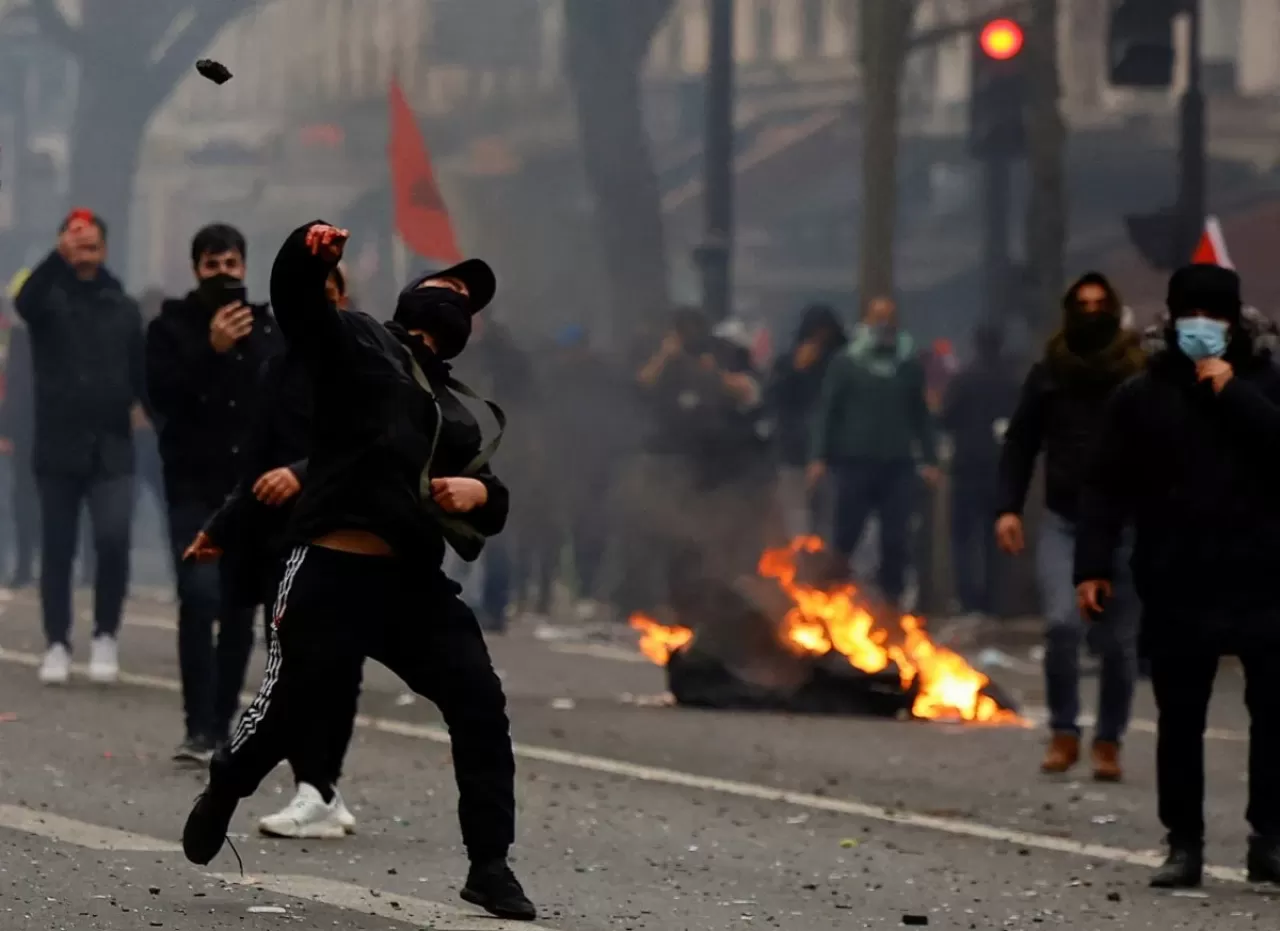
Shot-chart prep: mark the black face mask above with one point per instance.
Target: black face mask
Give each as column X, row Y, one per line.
column 219, row 289
column 1088, row 333
column 441, row 313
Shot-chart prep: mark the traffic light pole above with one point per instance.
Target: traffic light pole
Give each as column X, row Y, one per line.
column 997, row 186
column 1192, row 144
column 714, row 256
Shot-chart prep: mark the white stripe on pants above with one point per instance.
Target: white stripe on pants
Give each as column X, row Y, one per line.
column 257, row 710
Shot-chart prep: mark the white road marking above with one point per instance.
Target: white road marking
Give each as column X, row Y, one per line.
column 1035, row 714
column 69, row 831
column 659, row 776
column 381, row 904
column 417, row 912
column 600, row 651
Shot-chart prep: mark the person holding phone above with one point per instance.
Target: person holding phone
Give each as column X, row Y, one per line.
column 204, row 354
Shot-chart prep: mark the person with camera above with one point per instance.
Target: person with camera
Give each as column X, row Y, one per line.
column 204, row 354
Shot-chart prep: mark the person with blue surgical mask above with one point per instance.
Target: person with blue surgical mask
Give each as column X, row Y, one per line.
column 1188, row 454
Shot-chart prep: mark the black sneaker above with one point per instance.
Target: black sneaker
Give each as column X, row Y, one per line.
column 492, row 886
column 1264, row 859
column 206, row 826
column 1182, row 869
column 194, row 750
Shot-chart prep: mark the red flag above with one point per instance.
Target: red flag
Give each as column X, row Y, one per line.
column 422, row 219
column 1212, row 247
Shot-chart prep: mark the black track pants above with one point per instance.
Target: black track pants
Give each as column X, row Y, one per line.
column 333, row 610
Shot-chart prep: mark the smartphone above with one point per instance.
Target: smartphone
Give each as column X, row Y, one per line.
column 237, row 292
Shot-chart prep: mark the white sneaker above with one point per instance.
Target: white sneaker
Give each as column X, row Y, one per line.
column 307, row 817
column 104, row 660
column 343, row 813
column 56, row 668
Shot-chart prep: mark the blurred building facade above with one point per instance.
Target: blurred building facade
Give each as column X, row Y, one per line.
column 302, row 126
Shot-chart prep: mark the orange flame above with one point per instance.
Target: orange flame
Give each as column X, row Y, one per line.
column 658, row 642
column 821, row 621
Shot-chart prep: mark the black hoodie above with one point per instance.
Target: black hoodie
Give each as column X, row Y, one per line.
column 793, row 393
column 205, row 400
column 374, row 427
column 1195, row 473
column 1060, row 409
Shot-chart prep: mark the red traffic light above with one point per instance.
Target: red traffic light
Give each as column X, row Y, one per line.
column 1001, row 39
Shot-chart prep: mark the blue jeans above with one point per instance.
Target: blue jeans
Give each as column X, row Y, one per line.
column 1113, row 637
column 110, row 502
column 888, row 490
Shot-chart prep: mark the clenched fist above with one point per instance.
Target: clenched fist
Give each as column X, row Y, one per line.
column 458, row 495
column 276, row 487
column 327, row 241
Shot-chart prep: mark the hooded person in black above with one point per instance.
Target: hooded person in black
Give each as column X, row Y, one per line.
column 396, row 473
column 204, row 353
column 1060, row 412
column 1188, row 454
column 792, row 398
column 976, row 410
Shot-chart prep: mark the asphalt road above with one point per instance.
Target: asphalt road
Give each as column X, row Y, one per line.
column 632, row 816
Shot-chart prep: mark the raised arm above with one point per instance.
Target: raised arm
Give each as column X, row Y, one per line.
column 308, row 321
column 32, row 301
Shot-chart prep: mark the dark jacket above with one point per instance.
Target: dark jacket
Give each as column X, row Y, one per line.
column 979, row 402
column 18, row 412
column 374, row 426
column 1195, row 473
column 793, row 393
column 873, row 405
column 205, row 400
column 87, row 357
column 252, row 535
column 1060, row 410
column 695, row 416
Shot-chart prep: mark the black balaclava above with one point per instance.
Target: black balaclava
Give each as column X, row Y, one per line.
column 441, row 313
column 1088, row 333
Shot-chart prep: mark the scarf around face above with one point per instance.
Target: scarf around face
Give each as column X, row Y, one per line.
column 1107, row 367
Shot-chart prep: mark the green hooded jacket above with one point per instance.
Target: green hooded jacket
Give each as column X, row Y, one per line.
column 873, row 405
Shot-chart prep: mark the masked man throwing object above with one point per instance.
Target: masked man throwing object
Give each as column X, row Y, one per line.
column 396, row 472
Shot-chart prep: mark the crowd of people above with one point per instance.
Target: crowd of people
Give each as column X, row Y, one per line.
column 310, row 452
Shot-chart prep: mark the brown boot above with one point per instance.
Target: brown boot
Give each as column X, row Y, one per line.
column 1063, row 753
column 1106, row 761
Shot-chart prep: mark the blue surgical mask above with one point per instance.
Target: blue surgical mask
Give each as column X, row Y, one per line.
column 1202, row 338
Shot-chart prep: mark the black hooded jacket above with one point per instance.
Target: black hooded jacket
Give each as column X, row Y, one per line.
column 87, row 359
column 1060, row 413
column 374, row 426
column 205, row 400
column 1195, row 473
column 793, row 393
column 252, row 535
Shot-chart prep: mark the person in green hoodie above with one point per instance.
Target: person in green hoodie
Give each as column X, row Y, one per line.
column 873, row 430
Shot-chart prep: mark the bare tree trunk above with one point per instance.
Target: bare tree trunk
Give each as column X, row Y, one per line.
column 607, row 42
column 884, row 39
column 131, row 54
column 106, row 139
column 1046, row 144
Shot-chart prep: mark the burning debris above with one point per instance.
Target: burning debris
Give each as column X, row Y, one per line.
column 829, row 652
